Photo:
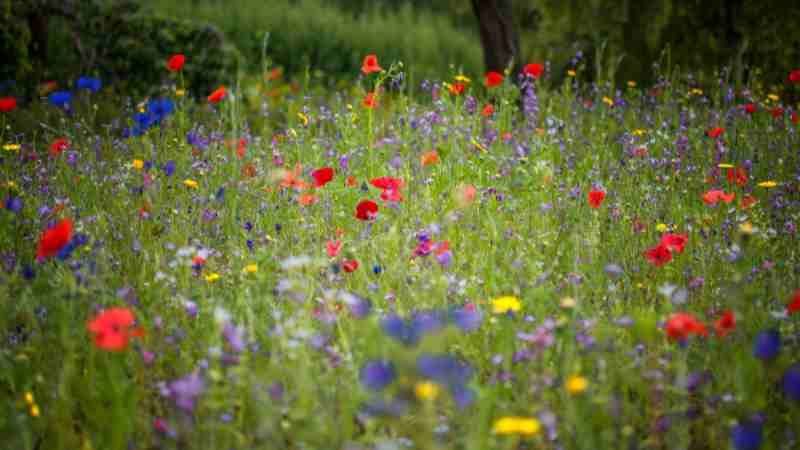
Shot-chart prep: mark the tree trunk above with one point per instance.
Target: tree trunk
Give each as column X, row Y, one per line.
column 499, row 37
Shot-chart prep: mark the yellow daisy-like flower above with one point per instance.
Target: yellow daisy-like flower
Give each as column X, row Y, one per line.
column 568, row 303
column 631, row 84
column 212, row 277
column 576, row 384
column 696, row 91
column 303, row 118
column 571, row 73
column 639, row 132
column 34, row 410
column 426, row 390
column 725, row 166
column 608, row 101
column 746, row 228
column 528, row 426
column 138, row 164
column 251, row 268
column 29, row 397
column 773, row 97
column 190, row 183
column 180, row 92
column 662, row 227
column 768, row 184
column 11, row 147
column 502, row 305
column 462, row 79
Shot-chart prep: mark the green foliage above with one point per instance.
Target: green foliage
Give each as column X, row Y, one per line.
column 317, row 35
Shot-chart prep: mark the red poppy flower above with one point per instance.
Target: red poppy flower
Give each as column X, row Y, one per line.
column 58, row 146
column 533, row 70
column 366, row 210
column 350, row 265
column 54, row 239
column 387, row 182
column 370, row 65
column 241, row 148
column 674, row 242
column 8, row 104
column 333, row 248
column 322, row 176
column 492, row 79
column 795, row 117
column 112, row 329
column 456, row 88
column 750, row 108
column 487, row 110
column 217, row 95
column 712, row 197
column 596, row 198
column 176, row 62
column 369, row 101
column 725, row 324
column 747, row 201
column 795, row 305
column 658, row 255
column 794, row 76
column 680, row 325
column 351, row 181
column 307, row 199
column 429, row 158
column 739, row 176
column 777, row 112
column 715, row 132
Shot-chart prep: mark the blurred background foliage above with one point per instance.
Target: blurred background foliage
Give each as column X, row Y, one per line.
column 127, row 41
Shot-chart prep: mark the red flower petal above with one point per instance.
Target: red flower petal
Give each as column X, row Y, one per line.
column 54, row 239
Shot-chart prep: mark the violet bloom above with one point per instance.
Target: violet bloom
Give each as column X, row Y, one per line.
column 376, row 375
column 234, row 336
column 184, row 391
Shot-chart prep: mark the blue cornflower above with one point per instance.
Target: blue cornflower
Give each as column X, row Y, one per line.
column 767, row 344
column 14, row 204
column 410, row 331
column 60, row 99
column 444, row 369
column 791, row 382
column 92, row 84
column 747, row 435
column 169, row 168
column 467, row 319
column 376, row 375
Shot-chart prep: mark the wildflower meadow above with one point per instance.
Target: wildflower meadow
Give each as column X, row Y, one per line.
column 481, row 262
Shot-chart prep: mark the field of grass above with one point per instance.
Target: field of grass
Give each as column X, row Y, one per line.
column 396, row 265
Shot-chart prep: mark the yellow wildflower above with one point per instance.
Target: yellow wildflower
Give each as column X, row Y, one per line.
column 303, row 118
column 29, row 397
column 34, row 410
column 725, row 166
column 180, row 92
column 138, row 164
column 631, row 84
column 767, row 184
column 639, row 132
column 746, row 228
column 251, row 268
column 571, row 73
column 576, row 384
column 696, row 91
column 516, row 425
column 502, row 305
column 773, row 97
column 190, row 183
column 426, row 390
column 212, row 277
column 662, row 227
column 11, row 147
column 608, row 101
column 462, row 79
column 568, row 303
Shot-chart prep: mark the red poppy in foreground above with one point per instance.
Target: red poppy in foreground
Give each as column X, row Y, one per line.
column 533, row 70
column 681, row 325
column 366, row 210
column 369, row 101
column 112, row 329
column 658, row 255
column 387, row 182
column 8, row 104
column 674, row 242
column 322, row 176
column 54, row 239
column 596, row 198
column 714, row 196
column 370, row 65
column 794, row 76
column 795, row 305
column 715, row 132
column 725, row 324
column 487, row 110
column 739, row 176
column 492, row 79
column 350, row 265
column 58, row 146
column 217, row 95
column 176, row 62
